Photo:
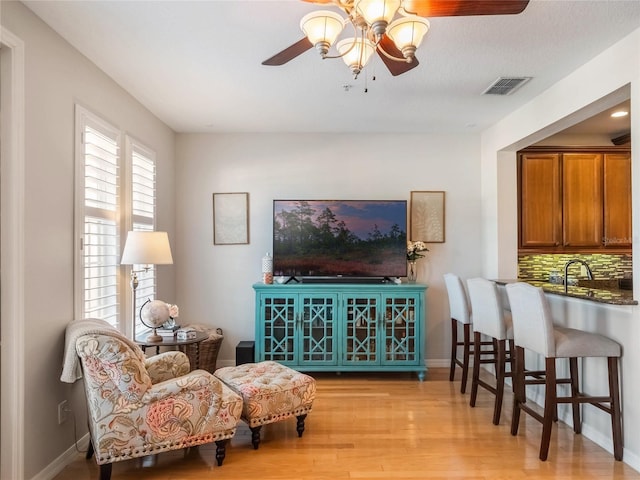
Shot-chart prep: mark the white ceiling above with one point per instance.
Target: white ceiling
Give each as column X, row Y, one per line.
column 197, row 64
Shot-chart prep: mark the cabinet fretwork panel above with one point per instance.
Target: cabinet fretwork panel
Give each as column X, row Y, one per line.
column 342, row 327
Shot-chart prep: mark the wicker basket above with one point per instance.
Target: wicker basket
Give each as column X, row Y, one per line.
column 209, row 348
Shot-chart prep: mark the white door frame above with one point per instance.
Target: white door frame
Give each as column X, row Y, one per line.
column 12, row 198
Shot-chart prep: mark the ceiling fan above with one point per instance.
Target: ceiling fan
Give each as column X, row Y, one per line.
column 375, row 29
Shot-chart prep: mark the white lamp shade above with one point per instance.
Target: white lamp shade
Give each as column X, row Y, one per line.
column 322, row 26
column 146, row 248
column 408, row 31
column 359, row 55
column 377, row 10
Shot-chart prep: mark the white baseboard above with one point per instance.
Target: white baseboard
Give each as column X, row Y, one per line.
column 55, row 467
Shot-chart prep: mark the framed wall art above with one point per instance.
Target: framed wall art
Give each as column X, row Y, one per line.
column 427, row 217
column 230, row 218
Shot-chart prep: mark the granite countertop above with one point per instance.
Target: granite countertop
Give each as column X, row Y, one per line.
column 605, row 293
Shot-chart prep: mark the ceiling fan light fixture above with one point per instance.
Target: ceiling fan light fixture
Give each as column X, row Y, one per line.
column 322, row 29
column 377, row 13
column 355, row 53
column 407, row 33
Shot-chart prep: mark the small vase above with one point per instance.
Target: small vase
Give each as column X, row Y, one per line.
column 412, row 272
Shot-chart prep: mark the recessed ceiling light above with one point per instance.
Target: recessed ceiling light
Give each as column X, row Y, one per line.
column 620, row 113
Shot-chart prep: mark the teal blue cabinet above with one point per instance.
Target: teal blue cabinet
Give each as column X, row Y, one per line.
column 342, row 327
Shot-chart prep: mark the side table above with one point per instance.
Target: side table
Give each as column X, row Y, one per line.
column 174, row 342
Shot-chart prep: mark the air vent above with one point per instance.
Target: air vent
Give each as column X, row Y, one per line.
column 506, row 85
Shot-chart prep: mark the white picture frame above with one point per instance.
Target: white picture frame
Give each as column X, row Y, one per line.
column 231, row 218
column 427, row 217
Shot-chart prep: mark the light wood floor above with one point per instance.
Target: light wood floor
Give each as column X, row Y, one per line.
column 384, row 427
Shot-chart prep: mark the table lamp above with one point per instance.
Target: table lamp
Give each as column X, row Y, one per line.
column 144, row 248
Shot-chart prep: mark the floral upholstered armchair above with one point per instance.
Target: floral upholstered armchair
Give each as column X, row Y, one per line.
column 139, row 406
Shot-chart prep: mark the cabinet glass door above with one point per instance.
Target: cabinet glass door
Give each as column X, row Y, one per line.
column 317, row 325
column 400, row 330
column 361, row 330
column 279, row 328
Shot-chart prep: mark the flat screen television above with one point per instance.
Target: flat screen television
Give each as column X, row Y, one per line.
column 340, row 239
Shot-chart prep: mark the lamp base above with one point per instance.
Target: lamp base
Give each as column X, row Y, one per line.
column 154, row 337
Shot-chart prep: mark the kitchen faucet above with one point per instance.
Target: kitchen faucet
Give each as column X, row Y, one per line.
column 566, row 269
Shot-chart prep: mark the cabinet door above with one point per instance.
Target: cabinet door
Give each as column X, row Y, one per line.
column 540, row 200
column 279, row 315
column 361, row 326
column 401, row 333
column 582, row 199
column 318, row 330
column 617, row 200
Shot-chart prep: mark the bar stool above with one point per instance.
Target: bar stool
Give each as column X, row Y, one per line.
column 490, row 319
column 534, row 330
column 460, row 315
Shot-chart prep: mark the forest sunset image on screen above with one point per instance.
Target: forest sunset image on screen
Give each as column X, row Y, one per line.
column 350, row 238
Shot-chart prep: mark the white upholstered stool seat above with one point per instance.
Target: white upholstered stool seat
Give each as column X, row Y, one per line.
column 534, row 331
column 460, row 311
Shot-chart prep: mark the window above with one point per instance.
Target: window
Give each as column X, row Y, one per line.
column 115, row 194
column 143, row 200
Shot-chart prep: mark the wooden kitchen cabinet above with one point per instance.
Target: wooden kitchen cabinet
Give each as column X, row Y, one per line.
column 617, row 200
column 582, row 199
column 540, row 200
column 574, row 201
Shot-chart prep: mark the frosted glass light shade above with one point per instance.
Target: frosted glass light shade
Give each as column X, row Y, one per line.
column 408, row 31
column 322, row 27
column 377, row 10
column 358, row 56
column 146, row 248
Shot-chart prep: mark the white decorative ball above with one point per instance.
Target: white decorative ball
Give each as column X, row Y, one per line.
column 154, row 313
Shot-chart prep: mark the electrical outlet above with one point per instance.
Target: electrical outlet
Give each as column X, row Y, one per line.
column 583, row 270
column 63, row 412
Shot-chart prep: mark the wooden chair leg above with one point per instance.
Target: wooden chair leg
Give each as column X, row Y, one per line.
column 500, row 362
column 89, row 450
column 454, row 348
column 475, row 377
column 466, row 355
column 519, row 395
column 105, row 471
column 550, row 397
column 616, row 418
column 575, row 393
column 221, row 451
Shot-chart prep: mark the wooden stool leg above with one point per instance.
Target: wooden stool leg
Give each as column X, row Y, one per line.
column 575, row 393
column 500, row 361
column 550, row 396
column 465, row 360
column 519, row 395
column 221, row 448
column 475, row 377
column 454, row 348
column 300, row 425
column 255, row 436
column 616, row 420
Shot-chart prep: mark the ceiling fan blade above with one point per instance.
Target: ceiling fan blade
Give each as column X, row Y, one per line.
column 453, row 8
column 289, row 53
column 394, row 66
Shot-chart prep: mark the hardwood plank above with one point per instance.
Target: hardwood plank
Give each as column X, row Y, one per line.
column 384, row 426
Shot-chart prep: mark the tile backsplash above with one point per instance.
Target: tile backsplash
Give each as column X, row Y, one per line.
column 603, row 266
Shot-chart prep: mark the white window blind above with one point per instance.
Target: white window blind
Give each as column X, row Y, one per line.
column 143, row 195
column 100, row 247
column 115, row 193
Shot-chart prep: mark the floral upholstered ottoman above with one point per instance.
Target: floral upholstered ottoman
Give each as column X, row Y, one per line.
column 271, row 392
